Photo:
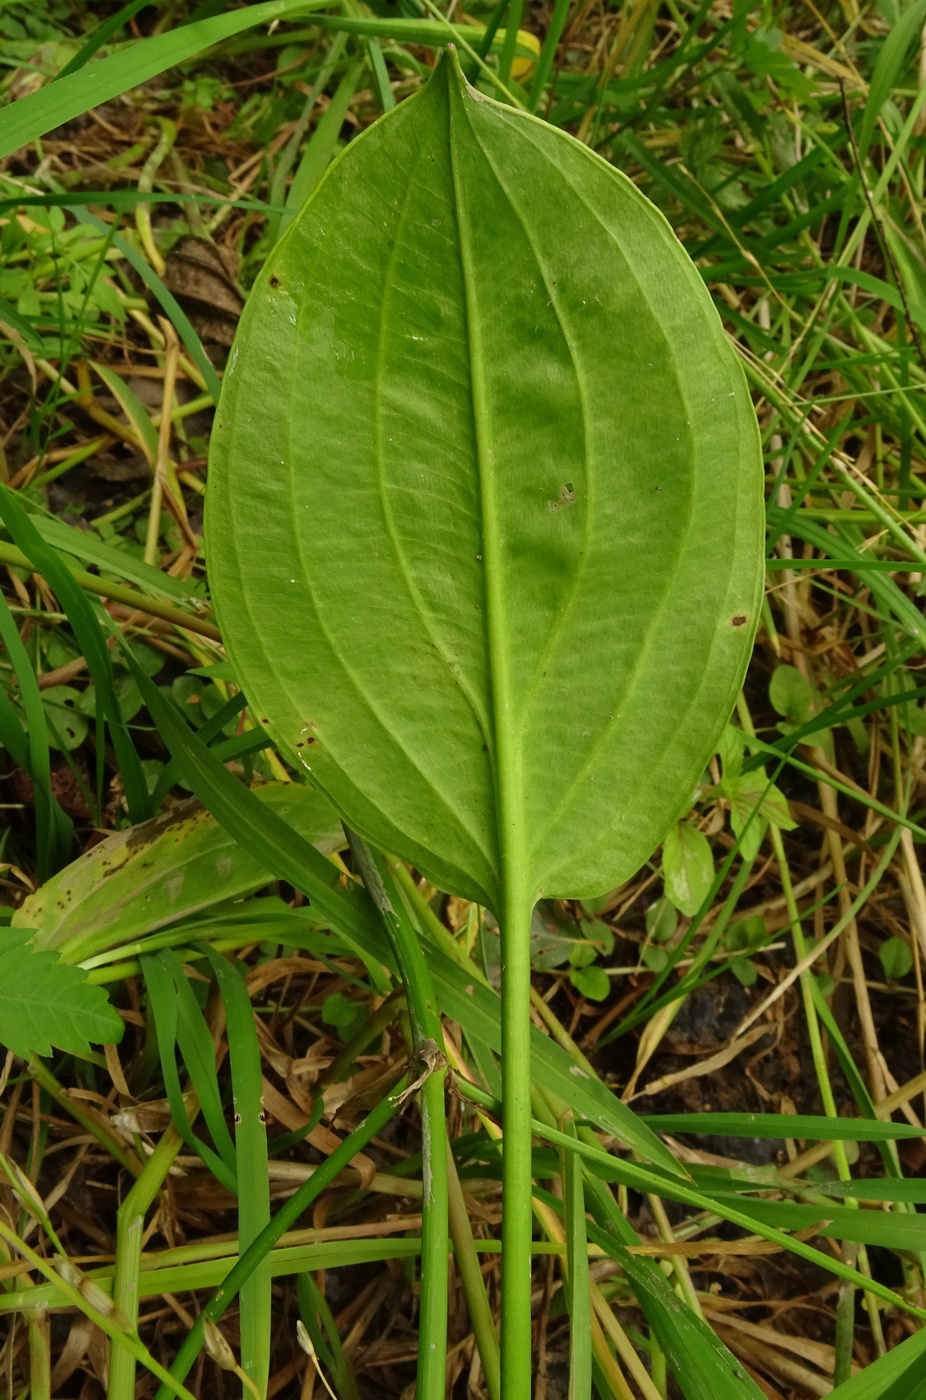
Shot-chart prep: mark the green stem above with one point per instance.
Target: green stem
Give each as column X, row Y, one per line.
column 511, row 40
column 517, row 1176
column 39, row 1330
column 94, row 1126
column 548, row 52
column 470, row 1274
column 427, row 1039
column 252, row 1165
column 119, row 593
column 130, row 1225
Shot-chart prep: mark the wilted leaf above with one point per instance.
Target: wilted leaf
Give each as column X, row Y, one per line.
column 161, row 871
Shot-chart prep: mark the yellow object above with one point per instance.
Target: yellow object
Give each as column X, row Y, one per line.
column 521, row 68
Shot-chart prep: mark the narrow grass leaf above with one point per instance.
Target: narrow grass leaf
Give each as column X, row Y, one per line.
column 699, row 1361
column 197, row 1053
column 90, row 638
column 649, row 1181
column 780, row 1125
column 900, row 1375
column 163, row 1001
column 888, row 68
column 53, row 828
column 169, row 303
column 86, row 545
column 100, row 36
column 252, row 1165
column 322, row 144
column 32, row 116
column 578, row 1297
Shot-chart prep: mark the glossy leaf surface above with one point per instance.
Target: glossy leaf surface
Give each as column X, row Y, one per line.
column 484, row 521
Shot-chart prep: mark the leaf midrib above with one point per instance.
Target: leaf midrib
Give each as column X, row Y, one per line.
column 338, row 651
column 505, row 754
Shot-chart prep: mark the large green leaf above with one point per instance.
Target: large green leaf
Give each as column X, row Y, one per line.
column 485, row 502
column 485, row 527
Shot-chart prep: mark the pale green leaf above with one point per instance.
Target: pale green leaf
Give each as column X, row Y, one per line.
column 661, row 920
column 791, row 694
column 485, row 518
column 896, row 957
column 731, row 751
column 45, row 1003
column 687, row 867
column 133, row 409
column 163, row 870
column 593, row 982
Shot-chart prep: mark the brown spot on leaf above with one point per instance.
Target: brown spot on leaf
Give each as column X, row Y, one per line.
column 739, row 620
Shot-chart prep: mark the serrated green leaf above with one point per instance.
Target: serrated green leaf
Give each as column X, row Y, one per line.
column 510, row 433
column 45, row 1003
column 687, row 867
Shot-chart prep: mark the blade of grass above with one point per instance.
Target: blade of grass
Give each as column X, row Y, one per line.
column 130, row 1226
column 100, row 36
column 576, row 1274
column 284, row 1219
column 322, row 144
column 90, row 639
column 428, row 1059
column 548, row 51
column 62, row 101
column 53, row 829
column 163, row 999
column 252, row 1163
column 515, row 10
